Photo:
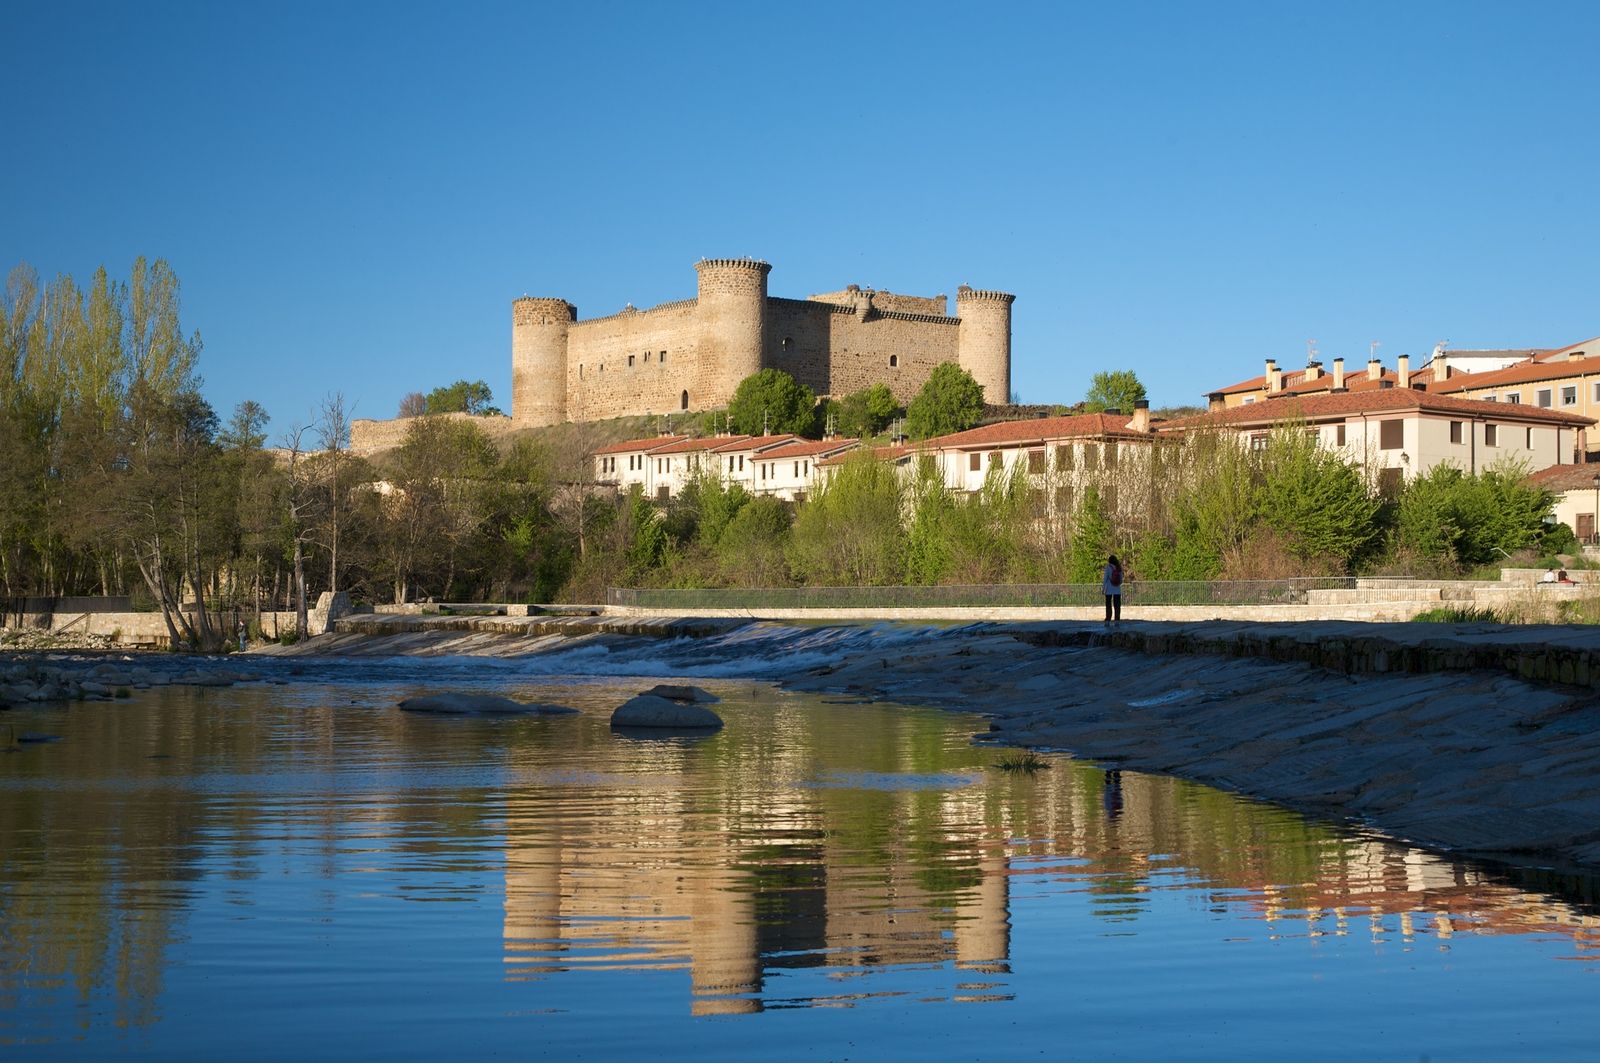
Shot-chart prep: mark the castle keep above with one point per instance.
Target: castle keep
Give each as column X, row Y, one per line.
column 691, row 355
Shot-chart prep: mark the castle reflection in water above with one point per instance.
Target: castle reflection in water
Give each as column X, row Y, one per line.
column 812, row 853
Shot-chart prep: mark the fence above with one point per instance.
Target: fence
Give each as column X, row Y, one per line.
column 1142, row 592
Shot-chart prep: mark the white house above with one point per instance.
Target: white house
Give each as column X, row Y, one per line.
column 1577, row 491
column 1401, row 433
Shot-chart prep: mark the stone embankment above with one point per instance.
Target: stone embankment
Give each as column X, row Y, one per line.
column 31, row 678
column 1465, row 739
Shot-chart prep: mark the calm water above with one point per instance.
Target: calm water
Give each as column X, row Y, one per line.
column 303, row 870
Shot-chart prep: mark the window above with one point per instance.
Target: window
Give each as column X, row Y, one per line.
column 1530, row 439
column 894, row 360
column 1391, row 435
column 787, row 343
column 663, row 493
column 1597, row 391
column 1248, row 400
column 805, row 467
column 1455, row 431
column 685, row 400
column 1569, row 396
column 663, row 357
column 580, row 370
column 1111, row 455
column 1064, row 498
column 1491, row 435
column 1490, row 398
column 797, row 470
column 1064, row 457
column 741, row 462
column 1545, row 398
column 994, row 457
column 1513, row 396
column 1338, row 435
column 974, row 462
column 646, row 357
column 630, row 361
column 1110, row 497
column 1389, row 483
column 1036, row 461
column 1258, row 441
column 1091, row 456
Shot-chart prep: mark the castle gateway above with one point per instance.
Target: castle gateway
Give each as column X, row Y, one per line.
column 690, row 355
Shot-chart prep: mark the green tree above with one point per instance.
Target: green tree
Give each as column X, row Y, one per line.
column 1092, row 538
column 1467, row 520
column 1116, row 389
column 865, row 413
column 1318, row 502
column 752, row 548
column 464, row 396
column 772, row 402
column 951, row 401
column 849, row 532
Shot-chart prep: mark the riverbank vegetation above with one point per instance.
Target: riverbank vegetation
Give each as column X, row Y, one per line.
column 117, row 478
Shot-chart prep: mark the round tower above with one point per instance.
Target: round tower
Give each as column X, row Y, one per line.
column 983, row 340
column 732, row 311
column 539, row 359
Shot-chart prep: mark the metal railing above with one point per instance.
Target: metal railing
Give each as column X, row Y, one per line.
column 1142, row 592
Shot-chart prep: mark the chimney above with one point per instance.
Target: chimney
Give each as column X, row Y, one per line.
column 1140, row 422
column 1313, row 371
column 1402, row 371
column 1274, row 377
column 1338, row 374
column 1215, row 401
column 1374, row 369
column 1441, row 367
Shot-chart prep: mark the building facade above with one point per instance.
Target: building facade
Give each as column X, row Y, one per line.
column 692, row 354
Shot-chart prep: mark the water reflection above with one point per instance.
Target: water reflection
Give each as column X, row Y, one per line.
column 810, row 854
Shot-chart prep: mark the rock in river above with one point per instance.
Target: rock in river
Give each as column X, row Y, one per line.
column 480, row 705
column 650, row 710
column 683, row 693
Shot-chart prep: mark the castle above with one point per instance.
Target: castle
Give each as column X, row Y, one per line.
column 692, row 354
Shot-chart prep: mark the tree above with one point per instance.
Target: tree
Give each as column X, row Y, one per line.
column 951, row 401
column 1316, row 501
column 866, row 412
column 772, row 402
column 413, row 404
column 464, row 396
column 849, row 532
column 1116, row 389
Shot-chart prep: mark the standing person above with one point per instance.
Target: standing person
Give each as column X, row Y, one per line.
column 1111, row 584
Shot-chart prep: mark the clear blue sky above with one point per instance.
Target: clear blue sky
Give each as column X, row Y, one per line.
column 353, row 193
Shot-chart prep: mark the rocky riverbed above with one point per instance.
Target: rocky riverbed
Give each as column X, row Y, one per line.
column 47, row 677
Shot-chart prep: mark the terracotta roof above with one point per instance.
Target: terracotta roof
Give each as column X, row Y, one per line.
column 755, row 442
column 888, row 453
column 1294, row 382
column 1562, row 352
column 690, row 446
column 652, row 443
column 804, row 448
column 1566, row 477
column 1389, row 400
column 1546, row 367
column 1037, row 430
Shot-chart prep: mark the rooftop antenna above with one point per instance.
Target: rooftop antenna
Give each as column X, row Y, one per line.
column 1311, row 351
column 766, row 422
column 1372, row 350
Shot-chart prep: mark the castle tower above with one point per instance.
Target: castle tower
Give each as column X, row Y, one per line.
column 983, row 342
column 732, row 310
column 539, row 359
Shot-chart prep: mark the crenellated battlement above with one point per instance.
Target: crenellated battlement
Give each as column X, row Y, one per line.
column 754, row 264
column 690, row 354
column 983, row 295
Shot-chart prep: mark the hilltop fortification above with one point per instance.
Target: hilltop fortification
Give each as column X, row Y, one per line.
column 691, row 354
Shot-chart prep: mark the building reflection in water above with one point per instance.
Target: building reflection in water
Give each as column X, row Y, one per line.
column 899, row 859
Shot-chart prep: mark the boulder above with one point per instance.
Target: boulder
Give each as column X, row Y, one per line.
column 651, row 710
column 683, row 693
column 480, row 705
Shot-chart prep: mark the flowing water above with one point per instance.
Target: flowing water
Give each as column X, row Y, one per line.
column 303, row 870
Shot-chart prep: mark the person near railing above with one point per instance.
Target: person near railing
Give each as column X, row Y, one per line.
column 1111, row 585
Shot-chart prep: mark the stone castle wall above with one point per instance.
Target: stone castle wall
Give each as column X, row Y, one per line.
column 835, row 351
column 638, row 361
column 369, row 437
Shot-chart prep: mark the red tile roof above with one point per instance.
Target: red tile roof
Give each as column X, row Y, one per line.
column 805, row 448
column 1531, row 372
column 888, row 453
column 1294, row 382
column 1567, row 477
column 755, row 442
column 653, row 443
column 692, row 446
column 1560, row 353
column 1355, row 403
column 1038, row 430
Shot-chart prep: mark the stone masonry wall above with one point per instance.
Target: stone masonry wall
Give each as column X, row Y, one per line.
column 835, row 351
column 600, row 381
column 369, row 437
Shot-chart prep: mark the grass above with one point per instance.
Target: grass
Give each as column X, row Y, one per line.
column 1025, row 762
column 1454, row 615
